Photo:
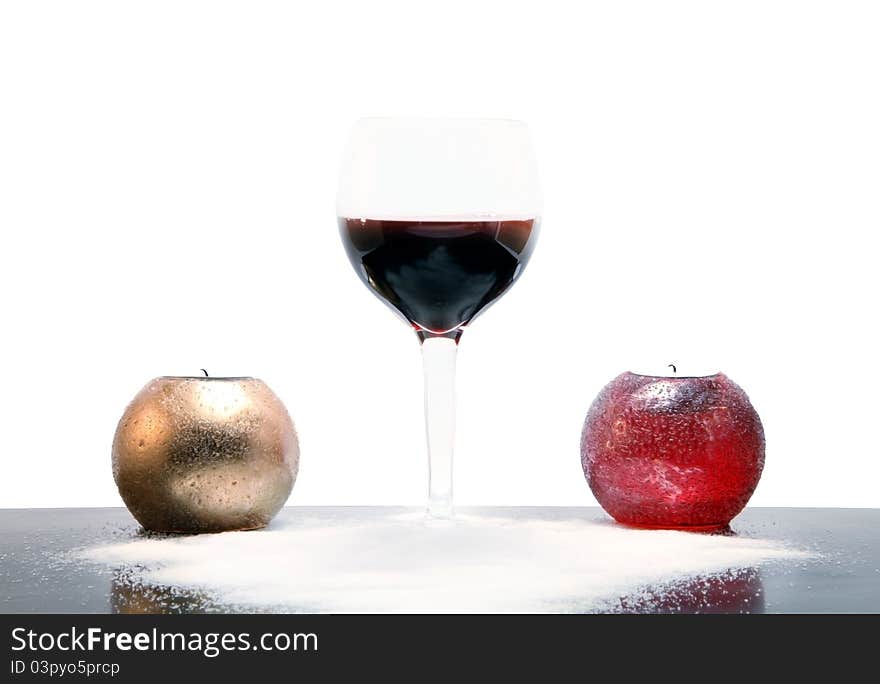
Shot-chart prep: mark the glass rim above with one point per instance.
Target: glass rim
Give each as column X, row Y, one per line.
column 676, row 377
column 209, row 378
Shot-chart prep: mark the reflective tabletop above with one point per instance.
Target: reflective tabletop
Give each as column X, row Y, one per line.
column 842, row 573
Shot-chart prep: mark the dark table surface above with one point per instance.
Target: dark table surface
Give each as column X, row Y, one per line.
column 843, row 577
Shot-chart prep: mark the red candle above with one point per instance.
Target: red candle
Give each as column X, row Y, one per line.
column 672, row 452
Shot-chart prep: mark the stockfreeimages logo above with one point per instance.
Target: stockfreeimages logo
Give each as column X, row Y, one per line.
column 210, row 644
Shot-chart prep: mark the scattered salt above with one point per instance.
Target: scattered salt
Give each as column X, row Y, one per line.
column 397, row 562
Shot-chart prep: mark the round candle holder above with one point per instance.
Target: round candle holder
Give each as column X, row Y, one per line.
column 201, row 454
column 672, row 452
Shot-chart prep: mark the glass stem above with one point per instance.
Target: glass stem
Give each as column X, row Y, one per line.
column 438, row 357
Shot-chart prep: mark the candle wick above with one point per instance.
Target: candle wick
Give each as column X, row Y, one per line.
column 204, row 371
column 671, row 365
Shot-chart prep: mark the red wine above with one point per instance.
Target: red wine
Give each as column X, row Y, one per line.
column 438, row 274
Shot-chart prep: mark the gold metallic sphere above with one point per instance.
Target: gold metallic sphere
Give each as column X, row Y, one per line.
column 205, row 455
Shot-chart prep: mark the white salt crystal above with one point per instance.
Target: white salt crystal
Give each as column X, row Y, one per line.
column 398, row 562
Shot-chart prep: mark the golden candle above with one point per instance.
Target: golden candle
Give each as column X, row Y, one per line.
column 201, row 454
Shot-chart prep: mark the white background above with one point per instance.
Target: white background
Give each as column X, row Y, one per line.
column 167, row 186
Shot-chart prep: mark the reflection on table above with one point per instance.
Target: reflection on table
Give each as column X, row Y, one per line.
column 735, row 591
column 130, row 596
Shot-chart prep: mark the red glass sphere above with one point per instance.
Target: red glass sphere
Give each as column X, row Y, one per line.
column 672, row 452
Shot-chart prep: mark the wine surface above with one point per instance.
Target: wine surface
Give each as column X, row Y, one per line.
column 438, row 274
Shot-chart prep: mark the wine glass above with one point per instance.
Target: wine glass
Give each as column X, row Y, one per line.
column 439, row 217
